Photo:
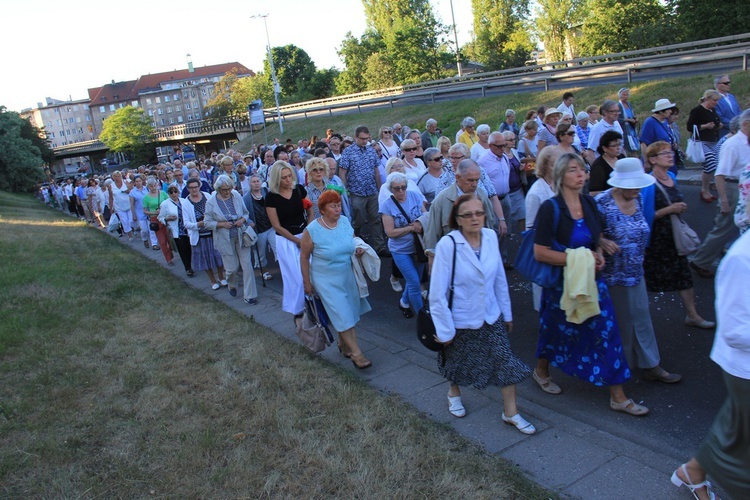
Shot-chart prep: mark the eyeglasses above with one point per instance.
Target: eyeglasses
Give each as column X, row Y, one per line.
column 617, row 145
column 469, row 215
column 439, row 158
column 498, row 145
column 409, row 150
column 398, row 188
column 224, row 190
column 457, row 158
column 572, row 132
column 318, row 169
column 665, row 153
column 366, row 138
column 725, row 83
column 617, row 110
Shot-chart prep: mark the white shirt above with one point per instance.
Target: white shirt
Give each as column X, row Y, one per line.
column 538, row 193
column 734, row 156
column 731, row 348
column 598, row 130
column 480, row 287
column 564, row 108
column 477, row 150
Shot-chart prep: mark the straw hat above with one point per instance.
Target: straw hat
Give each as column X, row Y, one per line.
column 552, row 111
column 663, row 104
column 629, row 174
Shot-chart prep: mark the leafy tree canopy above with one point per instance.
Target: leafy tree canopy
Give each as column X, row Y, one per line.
column 129, row 131
column 501, row 33
column 23, row 153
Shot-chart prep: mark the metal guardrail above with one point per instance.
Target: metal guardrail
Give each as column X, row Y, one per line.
column 543, row 73
column 202, row 127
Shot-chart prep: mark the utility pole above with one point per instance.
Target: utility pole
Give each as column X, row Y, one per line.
column 455, row 37
column 276, row 86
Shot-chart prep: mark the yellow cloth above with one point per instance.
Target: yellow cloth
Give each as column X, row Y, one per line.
column 580, row 297
column 467, row 139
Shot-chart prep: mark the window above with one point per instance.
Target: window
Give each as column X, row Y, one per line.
column 192, row 93
column 134, row 104
column 78, row 119
column 178, row 108
column 51, row 135
column 121, row 105
column 159, row 111
column 111, row 107
column 190, row 118
column 163, row 122
column 179, row 119
column 57, row 111
column 171, row 120
column 88, row 118
column 166, row 98
column 69, row 109
column 102, row 109
column 176, row 97
column 86, row 107
column 150, row 112
column 148, row 101
column 46, row 112
column 195, row 104
column 169, row 109
column 187, row 105
column 185, row 95
column 157, row 100
column 80, row 130
column 65, row 121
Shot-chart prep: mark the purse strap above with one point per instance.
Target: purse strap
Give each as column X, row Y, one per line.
column 453, row 273
column 403, row 212
column 696, row 134
column 669, row 200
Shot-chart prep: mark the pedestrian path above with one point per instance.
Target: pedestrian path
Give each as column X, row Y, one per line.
column 567, row 455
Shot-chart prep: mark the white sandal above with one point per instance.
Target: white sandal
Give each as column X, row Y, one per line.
column 677, row 481
column 520, row 423
column 456, row 407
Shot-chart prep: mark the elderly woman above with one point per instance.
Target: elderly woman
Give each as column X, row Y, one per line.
column 594, row 116
column 629, row 124
column 171, row 215
column 666, row 271
column 413, row 166
column 468, row 136
column 473, row 316
column 703, row 117
column 255, row 201
column 204, row 257
column 317, row 176
column 415, row 136
column 656, row 127
column 565, row 135
column 136, row 208
column 329, row 240
column 400, row 213
column 547, row 131
column 482, row 145
column 289, row 211
column 92, row 201
column 227, row 217
column 627, row 232
column 226, row 167
column 151, row 206
column 609, row 149
column 429, row 181
column 510, row 123
column 119, row 202
column 589, row 348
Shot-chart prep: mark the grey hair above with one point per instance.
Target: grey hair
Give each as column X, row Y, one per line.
column 496, row 134
column 395, row 177
column 468, row 122
column 745, row 117
column 189, row 165
column 620, row 92
column 483, row 128
column 734, row 124
column 151, row 181
column 223, row 181
column 509, row 112
column 718, row 79
column 459, row 146
column 509, row 134
column 430, row 153
column 193, row 171
column 561, row 167
column 466, row 165
column 392, row 161
column 429, row 122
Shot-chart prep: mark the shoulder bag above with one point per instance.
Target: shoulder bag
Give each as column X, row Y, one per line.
column 418, row 247
column 541, row 273
column 694, row 151
column 313, row 330
column 686, row 241
column 425, row 326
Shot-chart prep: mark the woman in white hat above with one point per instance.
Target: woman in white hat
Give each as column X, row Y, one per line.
column 547, row 132
column 624, row 238
column 657, row 127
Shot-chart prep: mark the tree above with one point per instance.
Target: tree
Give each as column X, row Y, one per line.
column 293, row 68
column 222, row 103
column 129, row 131
column 640, row 24
column 701, row 19
column 232, row 94
column 355, row 54
column 556, row 21
column 321, row 85
column 501, row 34
column 24, row 153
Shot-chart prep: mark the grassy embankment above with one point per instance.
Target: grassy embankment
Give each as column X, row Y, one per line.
column 117, row 380
column 684, row 91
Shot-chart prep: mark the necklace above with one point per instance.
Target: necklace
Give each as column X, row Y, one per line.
column 323, row 221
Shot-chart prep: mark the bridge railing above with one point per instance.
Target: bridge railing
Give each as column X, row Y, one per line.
column 201, row 127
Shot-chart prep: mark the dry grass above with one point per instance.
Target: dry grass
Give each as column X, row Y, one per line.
column 684, row 91
column 117, row 380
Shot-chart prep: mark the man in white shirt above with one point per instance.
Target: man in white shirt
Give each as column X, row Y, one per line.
column 734, row 157
column 567, row 104
column 610, row 110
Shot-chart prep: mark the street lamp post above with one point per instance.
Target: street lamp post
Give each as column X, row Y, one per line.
column 276, row 86
column 455, row 37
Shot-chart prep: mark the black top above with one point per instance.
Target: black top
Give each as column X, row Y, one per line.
column 600, row 171
column 545, row 221
column 291, row 213
column 700, row 115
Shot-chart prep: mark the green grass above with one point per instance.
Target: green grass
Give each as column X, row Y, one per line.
column 118, row 380
column 685, row 92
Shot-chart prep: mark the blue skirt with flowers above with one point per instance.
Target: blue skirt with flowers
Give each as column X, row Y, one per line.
column 591, row 351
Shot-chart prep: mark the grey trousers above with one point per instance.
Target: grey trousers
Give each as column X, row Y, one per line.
column 240, row 256
column 365, row 210
column 723, row 232
column 636, row 330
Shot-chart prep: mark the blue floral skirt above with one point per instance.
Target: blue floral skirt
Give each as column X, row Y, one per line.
column 591, row 351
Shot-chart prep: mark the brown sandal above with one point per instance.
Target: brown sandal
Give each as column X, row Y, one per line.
column 360, row 361
column 343, row 349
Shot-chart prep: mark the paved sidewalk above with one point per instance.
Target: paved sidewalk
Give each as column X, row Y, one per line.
column 566, row 455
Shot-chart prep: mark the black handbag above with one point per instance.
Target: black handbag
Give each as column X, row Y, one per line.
column 425, row 326
column 418, row 247
column 154, row 226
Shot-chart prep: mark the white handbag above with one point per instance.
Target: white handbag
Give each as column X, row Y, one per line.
column 694, row 151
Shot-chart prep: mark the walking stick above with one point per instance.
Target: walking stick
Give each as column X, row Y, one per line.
column 260, row 265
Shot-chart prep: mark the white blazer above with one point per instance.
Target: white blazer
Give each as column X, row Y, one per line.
column 188, row 219
column 480, row 287
column 167, row 209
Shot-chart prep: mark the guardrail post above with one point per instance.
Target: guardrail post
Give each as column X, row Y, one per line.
column 484, row 91
column 630, row 75
column 432, row 96
column 391, row 101
column 744, row 61
column 330, row 111
column 546, row 84
column 359, row 108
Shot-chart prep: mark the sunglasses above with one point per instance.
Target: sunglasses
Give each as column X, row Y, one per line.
column 469, row 215
column 409, row 150
column 398, row 188
column 571, row 133
column 439, row 158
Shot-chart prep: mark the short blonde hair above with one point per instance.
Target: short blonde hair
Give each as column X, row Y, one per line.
column 408, row 143
column 317, row 162
column 389, row 165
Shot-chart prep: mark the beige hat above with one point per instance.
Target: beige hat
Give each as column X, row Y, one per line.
column 662, row 105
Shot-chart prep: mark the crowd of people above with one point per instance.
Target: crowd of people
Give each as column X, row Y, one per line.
column 598, row 188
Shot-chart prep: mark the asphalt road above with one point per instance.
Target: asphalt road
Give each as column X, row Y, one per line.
column 680, row 413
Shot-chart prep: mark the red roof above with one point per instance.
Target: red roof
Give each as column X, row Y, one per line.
column 127, row 91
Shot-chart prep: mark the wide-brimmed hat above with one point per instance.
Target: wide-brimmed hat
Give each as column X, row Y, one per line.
column 552, row 111
column 629, row 174
column 663, row 104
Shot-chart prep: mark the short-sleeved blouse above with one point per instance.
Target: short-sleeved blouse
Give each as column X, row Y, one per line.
column 291, row 212
column 413, row 207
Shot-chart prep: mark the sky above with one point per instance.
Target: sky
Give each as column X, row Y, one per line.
column 61, row 49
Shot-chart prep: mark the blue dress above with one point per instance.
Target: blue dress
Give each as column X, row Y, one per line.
column 332, row 276
column 591, row 351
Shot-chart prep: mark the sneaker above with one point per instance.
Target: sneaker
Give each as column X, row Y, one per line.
column 130, row 240
column 456, row 407
column 233, row 292
column 252, row 302
column 215, row 286
column 224, row 283
column 519, row 423
column 267, row 276
column 396, row 285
